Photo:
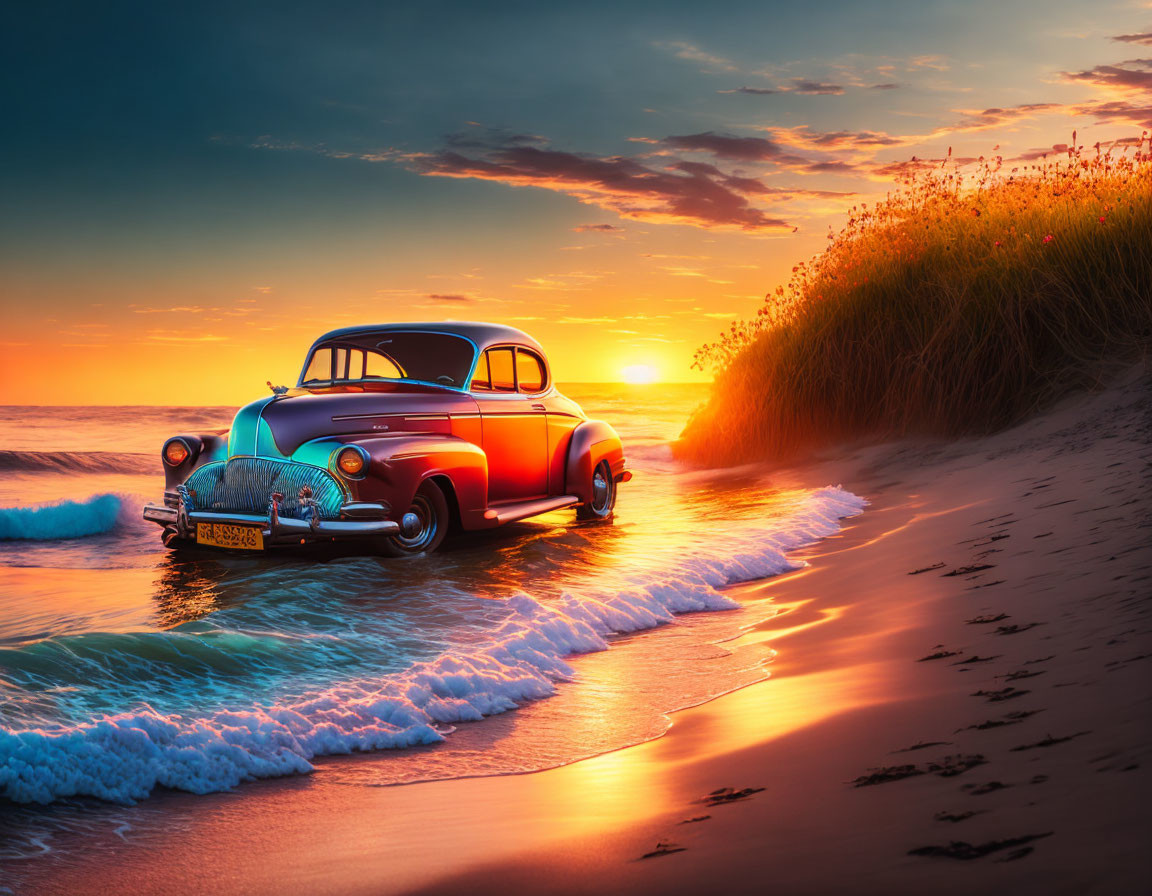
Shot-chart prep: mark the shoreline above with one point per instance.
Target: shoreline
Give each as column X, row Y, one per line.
column 850, row 691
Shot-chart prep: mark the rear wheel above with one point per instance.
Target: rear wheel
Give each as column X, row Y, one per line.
column 603, row 495
column 423, row 526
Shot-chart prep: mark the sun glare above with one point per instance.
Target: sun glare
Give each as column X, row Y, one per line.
column 639, row 373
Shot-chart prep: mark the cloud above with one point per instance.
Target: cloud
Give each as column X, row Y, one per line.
column 450, row 297
column 936, row 63
column 906, row 167
column 803, row 138
column 684, row 50
column 481, row 137
column 815, row 88
column 807, row 87
column 175, row 309
column 980, row 120
column 1032, row 155
column 868, row 142
column 1145, row 38
column 725, row 146
column 831, row 166
column 1132, row 74
column 681, row 193
column 180, row 336
column 754, row 149
column 1118, row 112
column 598, row 228
column 754, row 91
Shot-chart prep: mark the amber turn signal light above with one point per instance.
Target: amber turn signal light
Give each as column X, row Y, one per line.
column 350, row 461
column 175, row 452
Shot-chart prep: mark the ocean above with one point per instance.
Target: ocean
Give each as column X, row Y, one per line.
column 127, row 670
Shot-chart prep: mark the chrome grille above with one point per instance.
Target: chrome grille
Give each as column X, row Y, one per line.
column 245, row 484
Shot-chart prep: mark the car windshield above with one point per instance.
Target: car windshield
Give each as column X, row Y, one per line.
column 441, row 358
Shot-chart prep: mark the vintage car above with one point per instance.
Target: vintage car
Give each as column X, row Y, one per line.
column 394, row 435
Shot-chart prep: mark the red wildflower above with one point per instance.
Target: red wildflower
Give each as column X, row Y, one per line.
column 1048, row 238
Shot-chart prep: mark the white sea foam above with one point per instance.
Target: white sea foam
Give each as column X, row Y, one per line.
column 123, row 757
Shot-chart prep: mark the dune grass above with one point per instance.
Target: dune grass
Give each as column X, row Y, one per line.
column 967, row 299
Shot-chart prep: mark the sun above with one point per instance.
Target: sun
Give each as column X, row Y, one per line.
column 638, row 373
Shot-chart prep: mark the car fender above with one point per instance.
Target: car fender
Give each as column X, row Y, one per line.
column 398, row 464
column 592, row 442
column 203, row 448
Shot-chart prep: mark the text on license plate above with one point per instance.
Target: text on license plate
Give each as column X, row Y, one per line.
column 229, row 535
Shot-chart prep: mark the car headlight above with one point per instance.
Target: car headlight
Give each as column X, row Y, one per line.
column 176, row 452
column 352, row 461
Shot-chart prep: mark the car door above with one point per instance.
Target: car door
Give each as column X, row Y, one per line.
column 514, row 428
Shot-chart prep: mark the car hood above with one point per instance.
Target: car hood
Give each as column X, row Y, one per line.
column 277, row 426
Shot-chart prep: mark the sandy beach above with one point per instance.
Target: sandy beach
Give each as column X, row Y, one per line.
column 959, row 700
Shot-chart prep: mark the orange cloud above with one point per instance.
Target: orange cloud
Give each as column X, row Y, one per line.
column 1118, row 112
column 803, row 137
column 1132, row 74
column 867, row 143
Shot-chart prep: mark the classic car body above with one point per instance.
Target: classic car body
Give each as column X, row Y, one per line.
column 394, row 433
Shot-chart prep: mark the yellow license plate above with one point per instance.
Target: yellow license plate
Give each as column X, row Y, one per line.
column 229, row 535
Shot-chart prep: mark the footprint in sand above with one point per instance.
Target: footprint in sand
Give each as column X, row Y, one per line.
column 959, row 849
column 663, row 848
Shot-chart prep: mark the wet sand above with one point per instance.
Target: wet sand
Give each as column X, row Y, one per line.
column 960, row 700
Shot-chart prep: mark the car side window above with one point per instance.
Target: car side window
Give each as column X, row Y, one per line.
column 341, row 363
column 502, row 369
column 355, row 364
column 320, row 368
column 529, row 371
column 481, row 379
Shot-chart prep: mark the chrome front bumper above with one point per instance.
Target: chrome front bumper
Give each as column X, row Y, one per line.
column 275, row 529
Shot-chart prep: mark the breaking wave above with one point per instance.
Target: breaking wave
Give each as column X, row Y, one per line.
column 122, row 757
column 77, row 462
column 66, row 519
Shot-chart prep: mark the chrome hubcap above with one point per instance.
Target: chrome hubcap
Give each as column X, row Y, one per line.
column 418, row 526
column 599, row 490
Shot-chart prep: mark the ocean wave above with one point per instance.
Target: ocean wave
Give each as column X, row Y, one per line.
column 66, row 519
column 123, row 757
column 77, row 462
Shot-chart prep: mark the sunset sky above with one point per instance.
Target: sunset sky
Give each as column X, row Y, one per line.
column 189, row 194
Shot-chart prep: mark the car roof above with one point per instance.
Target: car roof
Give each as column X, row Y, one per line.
column 484, row 335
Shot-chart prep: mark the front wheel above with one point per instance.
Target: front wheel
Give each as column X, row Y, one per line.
column 603, row 495
column 423, row 526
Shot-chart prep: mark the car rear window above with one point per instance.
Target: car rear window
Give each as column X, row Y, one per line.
column 529, row 371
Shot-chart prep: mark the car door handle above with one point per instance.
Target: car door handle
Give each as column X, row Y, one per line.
column 539, row 407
